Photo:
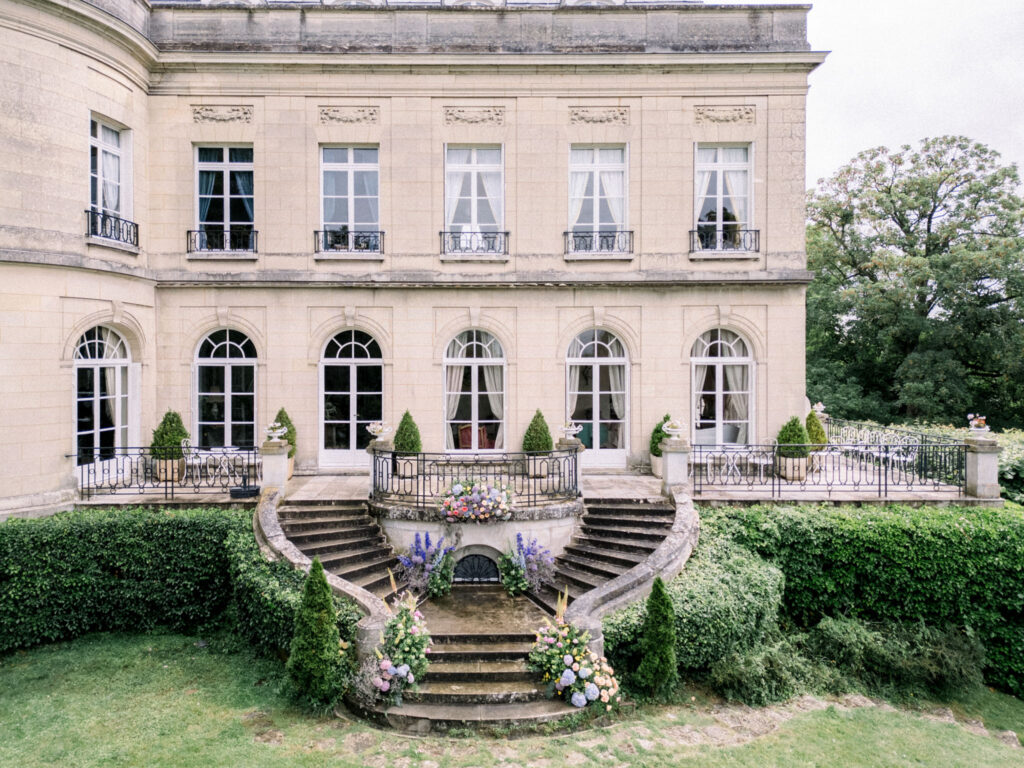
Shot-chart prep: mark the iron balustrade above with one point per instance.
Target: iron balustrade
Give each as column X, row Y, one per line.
column 846, row 431
column 422, row 478
column 121, row 470
column 474, row 242
column 344, row 241
column 619, row 241
column 106, row 225
column 725, row 240
column 221, row 240
column 879, row 468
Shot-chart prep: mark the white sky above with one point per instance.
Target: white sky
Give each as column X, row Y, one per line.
column 901, row 70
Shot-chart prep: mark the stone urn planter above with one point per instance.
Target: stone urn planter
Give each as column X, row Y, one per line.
column 793, row 469
column 169, row 470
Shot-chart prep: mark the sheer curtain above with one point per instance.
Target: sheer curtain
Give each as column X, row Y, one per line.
column 572, row 395
column 736, row 193
column 453, row 181
column 244, row 179
column 207, row 182
column 737, row 408
column 111, row 183
column 700, row 372
column 612, row 186
column 453, row 390
column 577, row 189
column 617, row 380
column 496, row 397
column 492, row 187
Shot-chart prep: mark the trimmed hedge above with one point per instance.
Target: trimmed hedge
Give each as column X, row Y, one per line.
column 725, row 600
column 937, row 565
column 114, row 569
column 267, row 596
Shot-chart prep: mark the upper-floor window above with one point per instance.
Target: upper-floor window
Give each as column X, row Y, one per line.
column 224, row 199
column 722, row 198
column 474, row 203
column 351, row 200
column 109, row 198
column 597, row 200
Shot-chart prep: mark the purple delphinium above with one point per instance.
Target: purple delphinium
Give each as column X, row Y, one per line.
column 421, row 560
column 537, row 562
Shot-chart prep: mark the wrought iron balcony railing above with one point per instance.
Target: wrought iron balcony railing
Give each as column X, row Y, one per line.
column 619, row 241
column 725, row 240
column 474, row 242
column 345, row 241
column 221, row 240
column 99, row 224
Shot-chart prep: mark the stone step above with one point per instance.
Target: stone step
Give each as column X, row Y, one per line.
column 477, row 652
column 638, row 521
column 577, row 579
column 621, row 532
column 378, row 566
column 321, row 503
column 414, row 717
column 328, row 521
column 630, row 546
column 546, row 598
column 333, row 549
column 374, row 581
column 437, row 692
column 483, row 637
column 301, row 513
column 653, row 510
column 446, row 671
column 340, row 534
column 615, row 557
column 601, row 568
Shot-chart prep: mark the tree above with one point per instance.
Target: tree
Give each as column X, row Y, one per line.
column 916, row 309
column 407, row 436
column 658, row 673
column 537, row 437
column 316, row 662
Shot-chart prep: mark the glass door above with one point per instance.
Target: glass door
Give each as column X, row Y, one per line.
column 597, row 397
column 351, row 398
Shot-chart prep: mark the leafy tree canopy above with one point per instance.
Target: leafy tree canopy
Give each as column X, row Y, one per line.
column 916, row 309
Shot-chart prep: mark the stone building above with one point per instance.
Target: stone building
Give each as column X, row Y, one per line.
column 469, row 211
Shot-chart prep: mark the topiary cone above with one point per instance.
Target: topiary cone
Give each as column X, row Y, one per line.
column 537, row 436
column 314, row 665
column 658, row 673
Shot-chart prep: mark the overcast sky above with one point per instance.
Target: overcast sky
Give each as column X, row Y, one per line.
column 901, row 70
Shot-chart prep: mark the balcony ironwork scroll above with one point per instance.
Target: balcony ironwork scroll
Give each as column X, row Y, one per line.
column 474, row 243
column 727, row 239
column 346, row 241
column 221, row 240
column 110, row 227
column 619, row 241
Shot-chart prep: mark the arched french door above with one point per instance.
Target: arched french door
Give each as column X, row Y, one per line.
column 351, row 397
column 225, row 387
column 474, row 392
column 597, row 396
column 723, row 386
column 101, row 365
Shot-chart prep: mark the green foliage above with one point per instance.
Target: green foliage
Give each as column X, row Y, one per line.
column 914, row 311
column 815, row 432
column 167, row 437
column 537, row 437
column 769, row 673
column 658, row 674
column 126, row 569
column 290, row 435
column 938, row 565
column 792, row 440
column 513, row 574
column 658, row 435
column 266, row 595
column 725, row 600
column 319, row 665
column 440, row 582
column 402, row 652
column 407, row 436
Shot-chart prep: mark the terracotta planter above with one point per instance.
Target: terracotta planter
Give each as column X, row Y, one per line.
column 170, row 470
column 791, row 469
column 657, row 463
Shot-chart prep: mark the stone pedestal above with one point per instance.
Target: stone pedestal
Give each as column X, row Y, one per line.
column 275, row 463
column 675, row 455
column 572, row 444
column 982, row 467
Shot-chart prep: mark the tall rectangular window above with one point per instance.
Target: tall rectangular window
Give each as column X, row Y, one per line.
column 597, row 200
column 109, row 191
column 474, row 203
column 351, row 199
column 225, row 200
column 722, row 198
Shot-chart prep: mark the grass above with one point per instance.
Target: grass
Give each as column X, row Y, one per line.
column 161, row 700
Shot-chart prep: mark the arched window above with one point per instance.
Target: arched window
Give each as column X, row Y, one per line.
column 597, row 393
column 101, row 394
column 352, row 386
column 722, row 377
column 474, row 392
column 226, row 390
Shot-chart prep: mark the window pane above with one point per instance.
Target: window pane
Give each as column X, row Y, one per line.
column 240, row 154
column 240, row 209
column 242, row 408
column 366, row 210
column 211, row 435
column 211, row 183
column 110, row 136
column 464, row 411
column 85, row 382
column 335, row 154
column 484, row 409
column 368, row 407
column 612, row 155
column 365, row 183
column 364, row 155
column 211, row 408
column 242, row 378
column 368, row 378
column 211, row 154
column 489, row 438
column 707, row 155
column 488, row 156
column 335, row 182
column 336, row 408
column 211, row 378
column 734, row 154
column 336, row 210
column 363, row 437
column 735, row 378
column 584, row 410
column 336, row 437
column 458, row 155
column 85, row 415
column 241, row 183
column 242, row 435
column 336, row 378
column 581, row 155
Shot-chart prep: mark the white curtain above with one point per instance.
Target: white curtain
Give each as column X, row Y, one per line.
column 613, row 186
column 492, row 187
column 496, row 399
column 453, row 389
column 111, row 182
column 736, row 398
column 700, row 372
column 617, row 380
column 736, row 193
column 572, row 395
column 577, row 188
column 453, row 181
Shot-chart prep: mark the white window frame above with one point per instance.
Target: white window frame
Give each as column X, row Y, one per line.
column 350, row 167
column 122, row 150
column 595, row 168
column 617, row 456
column 224, row 167
column 124, row 393
column 228, row 363
column 718, row 167
column 337, row 457
column 475, row 169
column 475, row 364
column 719, row 364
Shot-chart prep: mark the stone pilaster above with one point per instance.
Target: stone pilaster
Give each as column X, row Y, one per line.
column 675, row 454
column 983, row 467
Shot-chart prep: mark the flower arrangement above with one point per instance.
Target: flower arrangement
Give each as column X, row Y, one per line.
column 476, row 501
column 528, row 566
column 428, row 567
column 402, row 653
column 570, row 669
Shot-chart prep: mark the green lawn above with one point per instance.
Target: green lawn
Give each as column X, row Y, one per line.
column 159, row 700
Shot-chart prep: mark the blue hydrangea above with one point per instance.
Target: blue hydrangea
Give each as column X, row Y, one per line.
column 591, row 692
column 403, row 670
column 568, row 678
column 568, row 660
column 585, row 673
column 579, row 700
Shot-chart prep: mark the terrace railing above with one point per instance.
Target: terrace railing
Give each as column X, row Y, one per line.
column 881, row 468
column 421, row 478
column 105, row 471
column 844, row 431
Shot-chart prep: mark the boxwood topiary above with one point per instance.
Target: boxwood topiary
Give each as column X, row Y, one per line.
column 658, row 674
column 407, row 436
column 658, row 435
column 537, row 437
column 290, row 435
column 815, row 432
column 792, row 440
column 317, row 664
column 167, row 437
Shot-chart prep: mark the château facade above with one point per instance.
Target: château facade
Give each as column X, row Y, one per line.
column 353, row 209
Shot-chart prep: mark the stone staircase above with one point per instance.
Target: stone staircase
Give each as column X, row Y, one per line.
column 613, row 536
column 349, row 543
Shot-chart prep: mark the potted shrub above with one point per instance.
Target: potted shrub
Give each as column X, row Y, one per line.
column 657, row 436
column 792, row 451
column 537, row 440
column 165, row 448
column 817, row 438
column 407, row 441
column 290, row 437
